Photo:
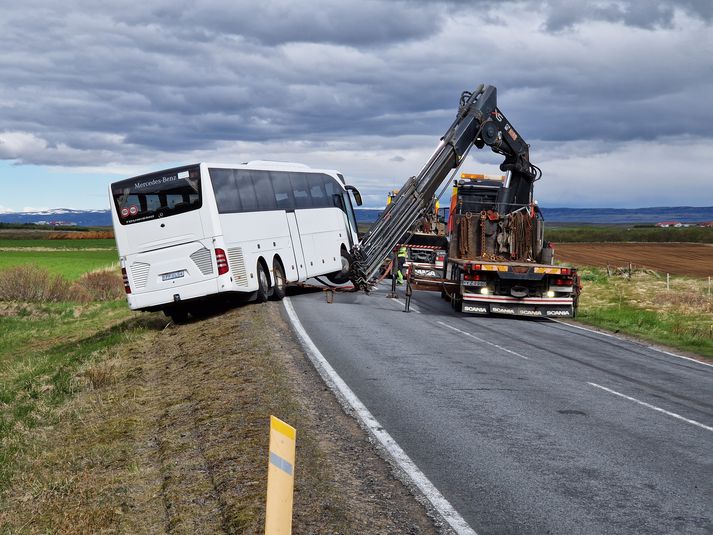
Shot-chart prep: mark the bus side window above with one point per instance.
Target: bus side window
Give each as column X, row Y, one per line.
column 226, row 192
column 316, row 191
column 263, row 189
column 246, row 190
column 283, row 190
column 301, row 190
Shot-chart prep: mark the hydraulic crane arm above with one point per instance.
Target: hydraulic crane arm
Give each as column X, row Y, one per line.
column 479, row 122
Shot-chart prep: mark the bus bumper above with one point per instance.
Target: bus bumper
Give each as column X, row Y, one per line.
column 158, row 299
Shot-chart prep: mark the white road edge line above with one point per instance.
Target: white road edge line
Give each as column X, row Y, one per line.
column 484, row 341
column 398, row 456
column 647, row 346
column 654, row 407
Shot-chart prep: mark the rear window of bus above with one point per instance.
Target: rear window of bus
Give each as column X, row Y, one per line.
column 157, row 195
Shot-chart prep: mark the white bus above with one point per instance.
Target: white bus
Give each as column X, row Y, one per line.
column 191, row 232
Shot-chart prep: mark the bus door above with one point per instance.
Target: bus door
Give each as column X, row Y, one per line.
column 297, row 245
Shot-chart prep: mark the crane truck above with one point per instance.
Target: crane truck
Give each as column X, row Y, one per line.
column 498, row 261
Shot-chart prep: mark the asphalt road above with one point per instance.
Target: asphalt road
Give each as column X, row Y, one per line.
column 529, row 426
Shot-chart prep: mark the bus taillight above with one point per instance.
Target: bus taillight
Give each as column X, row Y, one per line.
column 222, row 261
column 125, row 276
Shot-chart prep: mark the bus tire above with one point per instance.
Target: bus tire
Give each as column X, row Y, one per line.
column 342, row 276
column 263, row 284
column 278, row 290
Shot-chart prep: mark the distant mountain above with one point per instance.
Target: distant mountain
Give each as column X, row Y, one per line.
column 684, row 214
column 60, row 216
column 602, row 216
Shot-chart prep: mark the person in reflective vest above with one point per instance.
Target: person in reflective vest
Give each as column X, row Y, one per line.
column 401, row 259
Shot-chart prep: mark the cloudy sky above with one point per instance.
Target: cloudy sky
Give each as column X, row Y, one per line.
column 615, row 97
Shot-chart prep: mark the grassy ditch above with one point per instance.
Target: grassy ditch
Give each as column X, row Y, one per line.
column 113, row 421
column 679, row 315
column 42, row 349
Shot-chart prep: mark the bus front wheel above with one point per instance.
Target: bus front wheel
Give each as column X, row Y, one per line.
column 342, row 276
column 263, row 286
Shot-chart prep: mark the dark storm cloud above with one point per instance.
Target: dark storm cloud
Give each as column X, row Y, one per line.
column 82, row 85
column 565, row 13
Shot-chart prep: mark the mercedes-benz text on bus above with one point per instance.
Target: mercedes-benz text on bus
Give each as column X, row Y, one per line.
column 191, row 232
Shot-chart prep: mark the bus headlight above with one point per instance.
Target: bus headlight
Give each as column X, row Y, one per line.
column 550, row 293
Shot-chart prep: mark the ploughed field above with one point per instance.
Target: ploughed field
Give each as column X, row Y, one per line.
column 676, row 258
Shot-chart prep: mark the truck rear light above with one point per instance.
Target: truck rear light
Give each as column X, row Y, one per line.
column 565, row 271
column 477, row 267
column 471, row 277
column 125, row 277
column 222, row 261
column 440, row 258
column 562, row 282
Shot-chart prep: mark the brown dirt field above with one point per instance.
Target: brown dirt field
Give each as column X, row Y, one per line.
column 170, row 435
column 690, row 259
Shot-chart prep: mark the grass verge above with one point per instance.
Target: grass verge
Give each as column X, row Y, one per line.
column 168, row 433
column 679, row 315
column 42, row 349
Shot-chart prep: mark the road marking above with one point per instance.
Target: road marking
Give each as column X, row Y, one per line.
column 647, row 346
column 654, row 407
column 484, row 341
column 398, row 456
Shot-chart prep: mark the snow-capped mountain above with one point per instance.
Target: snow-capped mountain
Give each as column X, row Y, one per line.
column 60, row 216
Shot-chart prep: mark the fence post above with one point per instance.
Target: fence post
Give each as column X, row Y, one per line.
column 668, row 281
column 709, row 285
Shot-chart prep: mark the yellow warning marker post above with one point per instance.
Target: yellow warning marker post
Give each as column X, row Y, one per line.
column 280, row 478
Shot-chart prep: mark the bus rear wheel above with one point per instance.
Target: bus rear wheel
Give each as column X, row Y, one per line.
column 263, row 286
column 278, row 291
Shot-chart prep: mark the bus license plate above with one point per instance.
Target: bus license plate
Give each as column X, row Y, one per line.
column 172, row 275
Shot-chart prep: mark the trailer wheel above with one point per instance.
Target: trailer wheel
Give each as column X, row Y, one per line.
column 278, row 292
column 263, row 285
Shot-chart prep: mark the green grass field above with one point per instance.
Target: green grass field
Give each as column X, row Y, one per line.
column 678, row 316
column 70, row 264
column 56, row 244
column 626, row 233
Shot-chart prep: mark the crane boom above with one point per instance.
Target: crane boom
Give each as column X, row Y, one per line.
column 479, row 122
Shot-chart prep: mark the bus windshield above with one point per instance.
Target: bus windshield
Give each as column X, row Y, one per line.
column 157, row 195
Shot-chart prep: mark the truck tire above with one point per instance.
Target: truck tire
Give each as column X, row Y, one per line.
column 457, row 302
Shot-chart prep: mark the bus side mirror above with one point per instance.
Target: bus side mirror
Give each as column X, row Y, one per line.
column 357, row 195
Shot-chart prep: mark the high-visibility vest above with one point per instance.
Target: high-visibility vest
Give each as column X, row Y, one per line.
column 402, row 252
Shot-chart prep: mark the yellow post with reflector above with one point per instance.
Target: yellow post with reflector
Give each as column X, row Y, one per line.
column 280, row 478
